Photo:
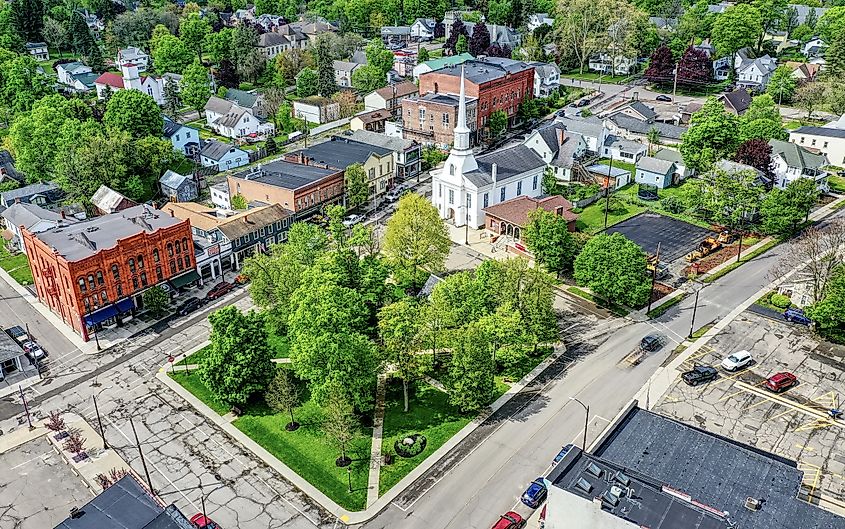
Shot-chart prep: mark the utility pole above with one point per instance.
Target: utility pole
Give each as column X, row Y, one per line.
column 675, row 84
column 26, row 408
column 694, row 309
column 100, row 422
column 143, row 461
column 586, row 421
column 653, row 277
column 607, row 191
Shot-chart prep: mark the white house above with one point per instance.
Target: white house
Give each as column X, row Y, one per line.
column 224, row 156
column 546, row 78
column 220, row 196
column 185, row 139
column 31, row 217
column 559, row 148
column 813, row 47
column 38, row 51
column 615, row 65
column 671, row 155
column 755, row 73
column 131, row 79
column 791, row 162
column 316, row 109
column 467, row 184
column 343, row 72
column 229, row 119
column 133, row 55
column 590, row 128
column 622, row 150
column 829, row 140
column 76, row 75
column 539, row 19
column 423, row 29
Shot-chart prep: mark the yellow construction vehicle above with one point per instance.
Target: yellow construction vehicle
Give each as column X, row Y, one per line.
column 707, row 246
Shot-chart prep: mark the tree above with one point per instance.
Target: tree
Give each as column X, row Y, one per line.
column 653, row 137
column 781, row 85
column 379, row 57
column 809, row 96
column 55, row 33
column 356, row 186
column 470, row 380
column 480, row 39
column 239, row 203
column 548, row 238
column 172, row 102
column 156, row 300
column 82, row 42
column 239, row 363
column 416, row 242
column 159, row 33
column 133, row 112
column 196, row 88
column 498, row 123
column 772, row 13
column 737, row 27
column 831, row 24
column 550, row 185
column 455, row 32
column 461, row 46
column 21, row 85
column 727, row 197
column 661, row 66
column 695, row 67
column 340, row 424
column 368, row 78
column 218, row 45
column 835, row 56
column 171, row 55
column 762, row 120
column 783, row 210
column 818, row 253
column 307, row 83
column 422, row 56
column 400, row 331
column 28, row 19
column 711, row 136
column 614, row 268
column 270, row 145
column 245, row 54
column 325, row 69
column 289, row 63
column 193, row 29
column 347, row 101
column 581, row 26
column 757, row 153
column 829, row 312
column 283, row 396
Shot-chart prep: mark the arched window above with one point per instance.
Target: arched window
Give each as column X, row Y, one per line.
column 172, row 266
column 82, row 287
column 104, row 297
column 100, row 280
column 184, row 244
column 87, row 304
column 140, row 262
column 187, row 261
column 170, row 249
column 115, row 271
column 155, row 254
column 91, row 284
column 131, row 265
column 143, row 279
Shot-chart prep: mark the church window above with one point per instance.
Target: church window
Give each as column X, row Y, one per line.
column 519, row 188
column 502, row 195
column 452, row 169
column 469, row 201
column 451, row 196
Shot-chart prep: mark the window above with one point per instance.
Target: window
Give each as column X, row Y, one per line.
column 159, row 275
column 534, row 184
column 184, row 244
column 82, row 287
column 813, row 142
column 177, row 137
column 422, row 116
column 170, row 249
column 119, row 290
column 134, row 283
column 91, row 282
column 179, row 263
column 104, row 297
column 486, row 199
column 451, row 196
column 372, row 173
column 439, row 190
column 115, row 272
column 178, row 248
column 131, row 263
column 187, row 259
column 469, row 201
column 801, row 140
column 519, row 188
column 155, row 255
column 445, row 119
column 452, row 169
column 100, row 280
column 87, row 304
column 140, row 262
column 143, row 279
column 172, row 266
column 502, row 195
column 825, row 145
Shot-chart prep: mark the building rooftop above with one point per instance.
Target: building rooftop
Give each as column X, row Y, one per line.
column 509, row 162
column 172, row 179
column 215, row 149
column 82, row 240
column 715, row 471
column 484, row 71
column 820, row 131
column 201, row 217
column 797, row 156
column 639, row 126
column 242, row 97
column 340, row 153
column 739, row 100
column 48, row 189
column 670, row 155
column 107, row 199
column 403, row 89
column 9, row 348
column 252, row 220
column 442, row 62
column 516, row 210
column 27, row 215
column 287, row 175
column 655, row 165
column 445, row 99
column 605, row 170
column 381, row 140
column 590, row 127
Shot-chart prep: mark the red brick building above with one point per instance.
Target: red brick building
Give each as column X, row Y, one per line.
column 510, row 217
column 497, row 84
column 92, row 273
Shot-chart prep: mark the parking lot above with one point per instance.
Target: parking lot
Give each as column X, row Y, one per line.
column 37, row 487
column 675, row 237
column 794, row 424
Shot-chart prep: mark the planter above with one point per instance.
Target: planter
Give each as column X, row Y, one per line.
column 410, row 446
column 292, row 426
column 80, row 457
column 61, row 435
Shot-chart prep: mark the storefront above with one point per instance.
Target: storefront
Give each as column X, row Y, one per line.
column 110, row 316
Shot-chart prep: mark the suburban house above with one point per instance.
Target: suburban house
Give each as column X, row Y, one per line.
column 76, row 76
column 407, row 154
column 632, row 128
column 340, row 152
column 536, row 20
column 185, row 139
column 827, row 140
column 755, row 73
column 177, row 187
column 35, row 219
column 93, row 22
column 133, row 56
column 316, row 109
column 390, row 97
column 106, row 201
column 271, row 44
column 803, row 72
column 38, row 50
column 296, row 38
column 591, row 129
column 343, row 72
column 396, row 35
column 430, row 119
column 40, row 194
column 232, row 120
column 546, row 78
column 731, row 167
column 91, row 273
column 790, row 162
column 609, row 64
column 560, row 149
column 442, row 62
column 813, row 48
column 270, row 23
column 130, row 78
column 224, row 156
column 671, row 155
column 297, row 187
column 736, row 102
column 609, row 177
column 373, row 121
column 623, row 150
column 506, row 221
column 423, row 29
column 655, row 172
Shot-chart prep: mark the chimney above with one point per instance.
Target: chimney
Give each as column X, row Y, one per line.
column 561, row 135
column 494, row 171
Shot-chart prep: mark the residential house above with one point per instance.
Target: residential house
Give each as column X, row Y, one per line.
column 803, row 72
column 655, row 172
column 244, row 16
column 609, row 64
column 343, row 72
column 635, row 129
column 314, row 29
column 754, row 73
column 590, row 129
column 504, row 36
column 94, row 23
column 430, row 119
column 404, row 62
column 220, row 196
column 396, row 35
column 224, row 156
column 731, row 167
column 442, row 62
column 177, row 187
column 185, row 139
column 664, row 24
column 827, row 140
column 682, row 172
column 736, row 102
column 41, row 194
column 269, row 22
column 635, row 109
column 559, row 148
column 301, row 188
column 609, row 177
column 271, row 44
column 232, row 120
column 35, row 219
column 340, row 152
column 8, row 173
column 316, row 109
column 76, row 76
column 107, row 201
column 685, row 112
column 813, row 48
column 623, row 150
column 373, row 121
column 131, row 79
column 507, row 220
column 407, row 154
column 423, row 29
column 546, row 78
column 133, row 55
column 296, row 38
column 38, row 50
column 790, row 162
column 390, row 97
column 535, row 20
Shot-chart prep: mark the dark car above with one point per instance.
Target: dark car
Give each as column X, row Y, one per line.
column 18, row 333
column 664, row 98
column 200, row 521
column 535, row 494
column 797, row 315
column 219, row 290
column 510, row 520
column 699, row 374
column 650, row 343
column 582, row 103
column 781, row 381
column 189, row 306
column 560, row 455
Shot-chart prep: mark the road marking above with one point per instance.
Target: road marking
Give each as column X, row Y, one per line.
column 42, row 457
column 816, row 424
column 805, row 447
column 779, row 415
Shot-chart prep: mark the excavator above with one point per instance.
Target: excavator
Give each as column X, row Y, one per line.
column 707, row 246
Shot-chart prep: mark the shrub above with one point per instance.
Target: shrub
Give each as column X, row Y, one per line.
column 780, row 301
column 56, row 422
column 510, row 360
column 672, row 204
column 246, row 86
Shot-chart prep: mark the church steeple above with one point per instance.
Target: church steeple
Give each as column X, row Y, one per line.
column 461, row 142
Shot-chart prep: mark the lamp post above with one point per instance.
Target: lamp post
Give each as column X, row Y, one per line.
column 96, row 338
column 694, row 310
column 100, row 422
column 586, row 420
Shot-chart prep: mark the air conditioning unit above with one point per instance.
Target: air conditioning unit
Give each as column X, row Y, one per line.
column 753, row 504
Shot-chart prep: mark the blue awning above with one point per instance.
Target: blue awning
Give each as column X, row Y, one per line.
column 125, row 305
column 99, row 316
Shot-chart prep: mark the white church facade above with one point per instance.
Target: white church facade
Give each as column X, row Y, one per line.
column 467, row 184
column 131, row 79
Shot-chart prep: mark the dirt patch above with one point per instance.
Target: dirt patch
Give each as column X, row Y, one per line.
column 713, row 260
column 660, row 291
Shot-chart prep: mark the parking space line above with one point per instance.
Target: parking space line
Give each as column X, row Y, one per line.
column 764, row 401
column 779, row 415
column 814, row 425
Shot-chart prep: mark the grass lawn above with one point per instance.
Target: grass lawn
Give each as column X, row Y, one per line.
column 619, row 311
column 16, row 265
column 429, row 414
column 591, row 218
column 660, row 310
column 182, row 166
column 594, row 76
column 620, row 165
column 837, row 183
column 680, row 192
column 279, row 344
column 194, row 385
column 309, row 453
column 195, row 358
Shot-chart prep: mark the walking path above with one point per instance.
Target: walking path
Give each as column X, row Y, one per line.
column 375, row 448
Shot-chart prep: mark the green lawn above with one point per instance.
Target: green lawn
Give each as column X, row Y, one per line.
column 429, row 414
column 309, row 453
column 837, row 183
column 182, row 166
column 591, row 218
column 680, row 192
column 617, row 164
column 194, row 385
column 195, row 358
column 16, row 265
column 660, row 310
column 594, row 77
column 619, row 311
column 279, row 344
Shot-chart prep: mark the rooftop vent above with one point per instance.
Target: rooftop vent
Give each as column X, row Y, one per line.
column 616, row 491
column 622, row 478
column 753, row 504
column 609, row 498
column 593, row 470
column 583, row 485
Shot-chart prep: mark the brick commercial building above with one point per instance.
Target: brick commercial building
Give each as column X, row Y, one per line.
column 92, row 273
column 497, row 84
column 430, row 119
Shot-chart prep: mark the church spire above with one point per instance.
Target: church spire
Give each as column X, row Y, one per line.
column 461, row 142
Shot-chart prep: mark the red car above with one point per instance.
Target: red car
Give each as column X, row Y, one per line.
column 781, row 381
column 203, row 522
column 510, row 520
column 219, row 290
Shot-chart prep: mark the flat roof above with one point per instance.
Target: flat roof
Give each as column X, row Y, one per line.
column 341, row 153
column 287, row 175
column 486, row 70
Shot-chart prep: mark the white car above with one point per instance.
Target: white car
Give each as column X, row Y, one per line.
column 352, row 220
column 736, row 361
column 33, row 350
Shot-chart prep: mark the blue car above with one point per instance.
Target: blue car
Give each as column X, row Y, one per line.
column 797, row 315
column 560, row 455
column 535, row 494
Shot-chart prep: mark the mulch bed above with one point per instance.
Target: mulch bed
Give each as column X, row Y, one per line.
column 660, row 291
column 715, row 259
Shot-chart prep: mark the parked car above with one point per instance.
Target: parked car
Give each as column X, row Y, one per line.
column 736, row 361
column 352, row 220
column 651, row 342
column 781, row 381
column 33, row 350
column 219, row 290
column 200, row 521
column 582, row 103
column 535, row 494
column 560, row 455
column 699, row 375
column 18, row 334
column 510, row 520
column 664, row 98
column 797, row 316
column 394, row 194
column 189, row 306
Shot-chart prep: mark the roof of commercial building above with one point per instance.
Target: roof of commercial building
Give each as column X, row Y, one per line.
column 655, row 165
column 484, row 71
column 340, row 153
column 715, row 471
column 84, row 239
column 516, row 210
column 401, row 90
column 252, row 220
column 286, row 175
column 381, row 140
column 442, row 62
column 509, row 162
column 445, row 99
column 820, row 131
column 202, row 217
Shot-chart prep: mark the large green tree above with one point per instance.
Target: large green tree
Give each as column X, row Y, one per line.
column 21, row 85
column 829, row 312
column 325, row 67
column 172, row 55
column 783, row 210
column 193, row 29
column 28, row 18
column 727, row 197
column 245, row 54
column 195, row 87
column 737, row 27
column 712, row 135
column 368, row 78
column 762, row 120
column 355, row 185
column 400, row 330
column 416, row 242
column 133, row 112
column 831, row 24
column 781, row 85
column 470, row 381
column 614, row 268
column 547, row 236
column 307, row 83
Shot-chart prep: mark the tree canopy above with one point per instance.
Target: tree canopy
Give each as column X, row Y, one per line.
column 614, row 268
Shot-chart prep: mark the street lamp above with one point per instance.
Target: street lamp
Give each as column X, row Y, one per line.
column 694, row 310
column 100, row 422
column 586, row 420
column 349, row 477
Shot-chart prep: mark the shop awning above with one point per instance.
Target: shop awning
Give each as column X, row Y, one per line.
column 99, row 316
column 185, row 279
column 125, row 305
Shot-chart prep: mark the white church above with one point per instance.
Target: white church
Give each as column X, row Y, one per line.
column 467, row 184
column 131, row 78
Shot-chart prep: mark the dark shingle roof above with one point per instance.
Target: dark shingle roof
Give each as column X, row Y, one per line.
column 215, row 150
column 655, row 165
column 820, row 131
column 642, row 127
column 26, row 192
column 242, row 98
column 287, row 175
column 509, row 162
column 489, row 69
column 341, row 153
column 643, row 110
column 253, row 221
column 739, row 100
